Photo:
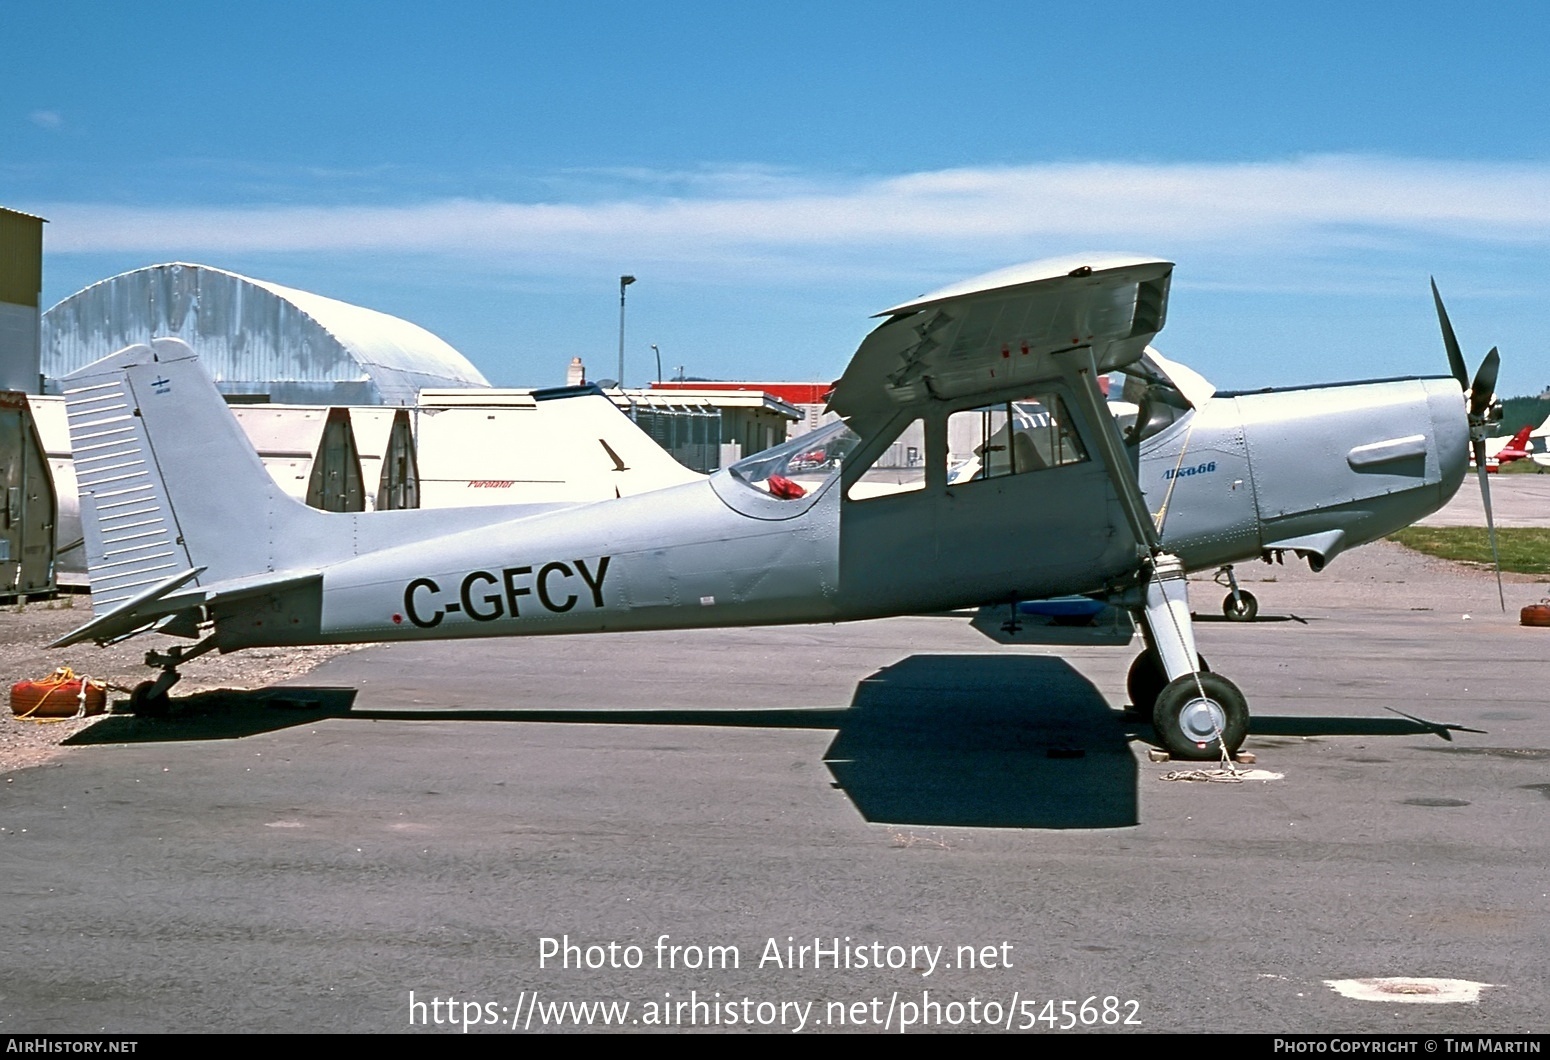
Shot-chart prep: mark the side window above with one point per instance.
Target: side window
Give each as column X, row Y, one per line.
column 1011, row 438
column 901, row 468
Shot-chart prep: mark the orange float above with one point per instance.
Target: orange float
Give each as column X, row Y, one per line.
column 59, row 695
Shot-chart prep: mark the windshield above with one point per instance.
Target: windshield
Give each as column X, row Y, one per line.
column 800, row 466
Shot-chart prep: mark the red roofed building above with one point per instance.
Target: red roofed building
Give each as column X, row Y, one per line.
column 809, row 398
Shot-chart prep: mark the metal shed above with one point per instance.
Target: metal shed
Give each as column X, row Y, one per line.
column 310, row 451
column 27, row 507
column 390, row 468
column 48, row 417
column 257, row 339
column 742, row 420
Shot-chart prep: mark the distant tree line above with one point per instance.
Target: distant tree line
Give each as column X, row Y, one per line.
column 1520, row 412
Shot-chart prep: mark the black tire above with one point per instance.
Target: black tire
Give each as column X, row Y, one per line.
column 1146, row 681
column 1244, row 609
column 1188, row 725
column 144, row 705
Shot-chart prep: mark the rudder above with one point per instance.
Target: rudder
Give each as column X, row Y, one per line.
column 168, row 481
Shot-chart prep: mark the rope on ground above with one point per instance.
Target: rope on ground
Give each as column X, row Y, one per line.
column 1230, row 775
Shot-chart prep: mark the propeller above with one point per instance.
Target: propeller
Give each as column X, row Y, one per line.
column 1482, row 399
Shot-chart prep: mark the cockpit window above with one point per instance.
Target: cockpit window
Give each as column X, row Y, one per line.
column 800, row 466
column 1011, row 438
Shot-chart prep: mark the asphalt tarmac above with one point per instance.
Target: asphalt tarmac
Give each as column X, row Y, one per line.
column 1516, row 500
column 974, row 835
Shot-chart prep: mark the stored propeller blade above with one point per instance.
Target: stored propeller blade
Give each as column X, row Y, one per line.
column 1450, row 340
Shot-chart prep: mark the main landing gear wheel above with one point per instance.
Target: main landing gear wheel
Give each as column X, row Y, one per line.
column 1243, row 609
column 1200, row 727
column 145, row 703
column 1146, row 681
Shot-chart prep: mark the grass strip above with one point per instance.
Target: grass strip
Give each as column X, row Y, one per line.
column 1524, row 550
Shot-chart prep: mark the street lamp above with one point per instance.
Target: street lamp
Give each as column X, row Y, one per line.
column 659, row 361
column 624, row 281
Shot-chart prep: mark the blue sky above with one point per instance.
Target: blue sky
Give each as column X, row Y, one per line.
column 774, row 174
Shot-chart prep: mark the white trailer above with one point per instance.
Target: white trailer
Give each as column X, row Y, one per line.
column 494, row 446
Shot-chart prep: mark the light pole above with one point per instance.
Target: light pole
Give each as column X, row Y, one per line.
column 659, row 361
column 624, row 281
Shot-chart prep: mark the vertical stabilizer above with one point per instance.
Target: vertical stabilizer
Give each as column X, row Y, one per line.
column 168, row 481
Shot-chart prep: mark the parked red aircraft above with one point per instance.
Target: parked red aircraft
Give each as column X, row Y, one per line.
column 1516, row 448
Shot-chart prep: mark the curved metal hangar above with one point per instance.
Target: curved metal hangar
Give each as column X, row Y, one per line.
column 260, row 340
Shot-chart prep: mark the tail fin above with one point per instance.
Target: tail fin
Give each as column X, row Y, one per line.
column 168, row 480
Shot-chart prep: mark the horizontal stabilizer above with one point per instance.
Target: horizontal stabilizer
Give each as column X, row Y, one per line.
column 129, row 615
column 165, row 599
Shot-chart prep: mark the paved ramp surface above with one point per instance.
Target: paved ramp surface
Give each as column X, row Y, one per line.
column 1516, row 500
column 410, row 825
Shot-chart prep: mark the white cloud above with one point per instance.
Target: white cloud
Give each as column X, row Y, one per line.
column 749, row 214
column 46, row 119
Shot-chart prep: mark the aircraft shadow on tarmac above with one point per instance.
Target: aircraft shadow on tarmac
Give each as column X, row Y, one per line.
column 974, row 740
column 985, row 741
column 990, row 741
column 223, row 714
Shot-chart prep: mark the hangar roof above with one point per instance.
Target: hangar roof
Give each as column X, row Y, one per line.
column 254, row 337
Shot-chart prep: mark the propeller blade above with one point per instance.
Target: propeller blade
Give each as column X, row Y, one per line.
column 1490, row 521
column 1484, row 387
column 1450, row 340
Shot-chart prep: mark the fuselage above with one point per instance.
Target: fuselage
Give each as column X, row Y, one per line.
column 1312, row 471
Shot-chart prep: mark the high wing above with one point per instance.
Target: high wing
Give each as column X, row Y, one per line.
column 1001, row 331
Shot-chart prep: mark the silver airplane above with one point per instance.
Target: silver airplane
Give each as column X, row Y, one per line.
column 1021, row 486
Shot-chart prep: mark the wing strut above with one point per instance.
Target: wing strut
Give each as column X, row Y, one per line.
column 1165, row 612
column 1081, row 372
